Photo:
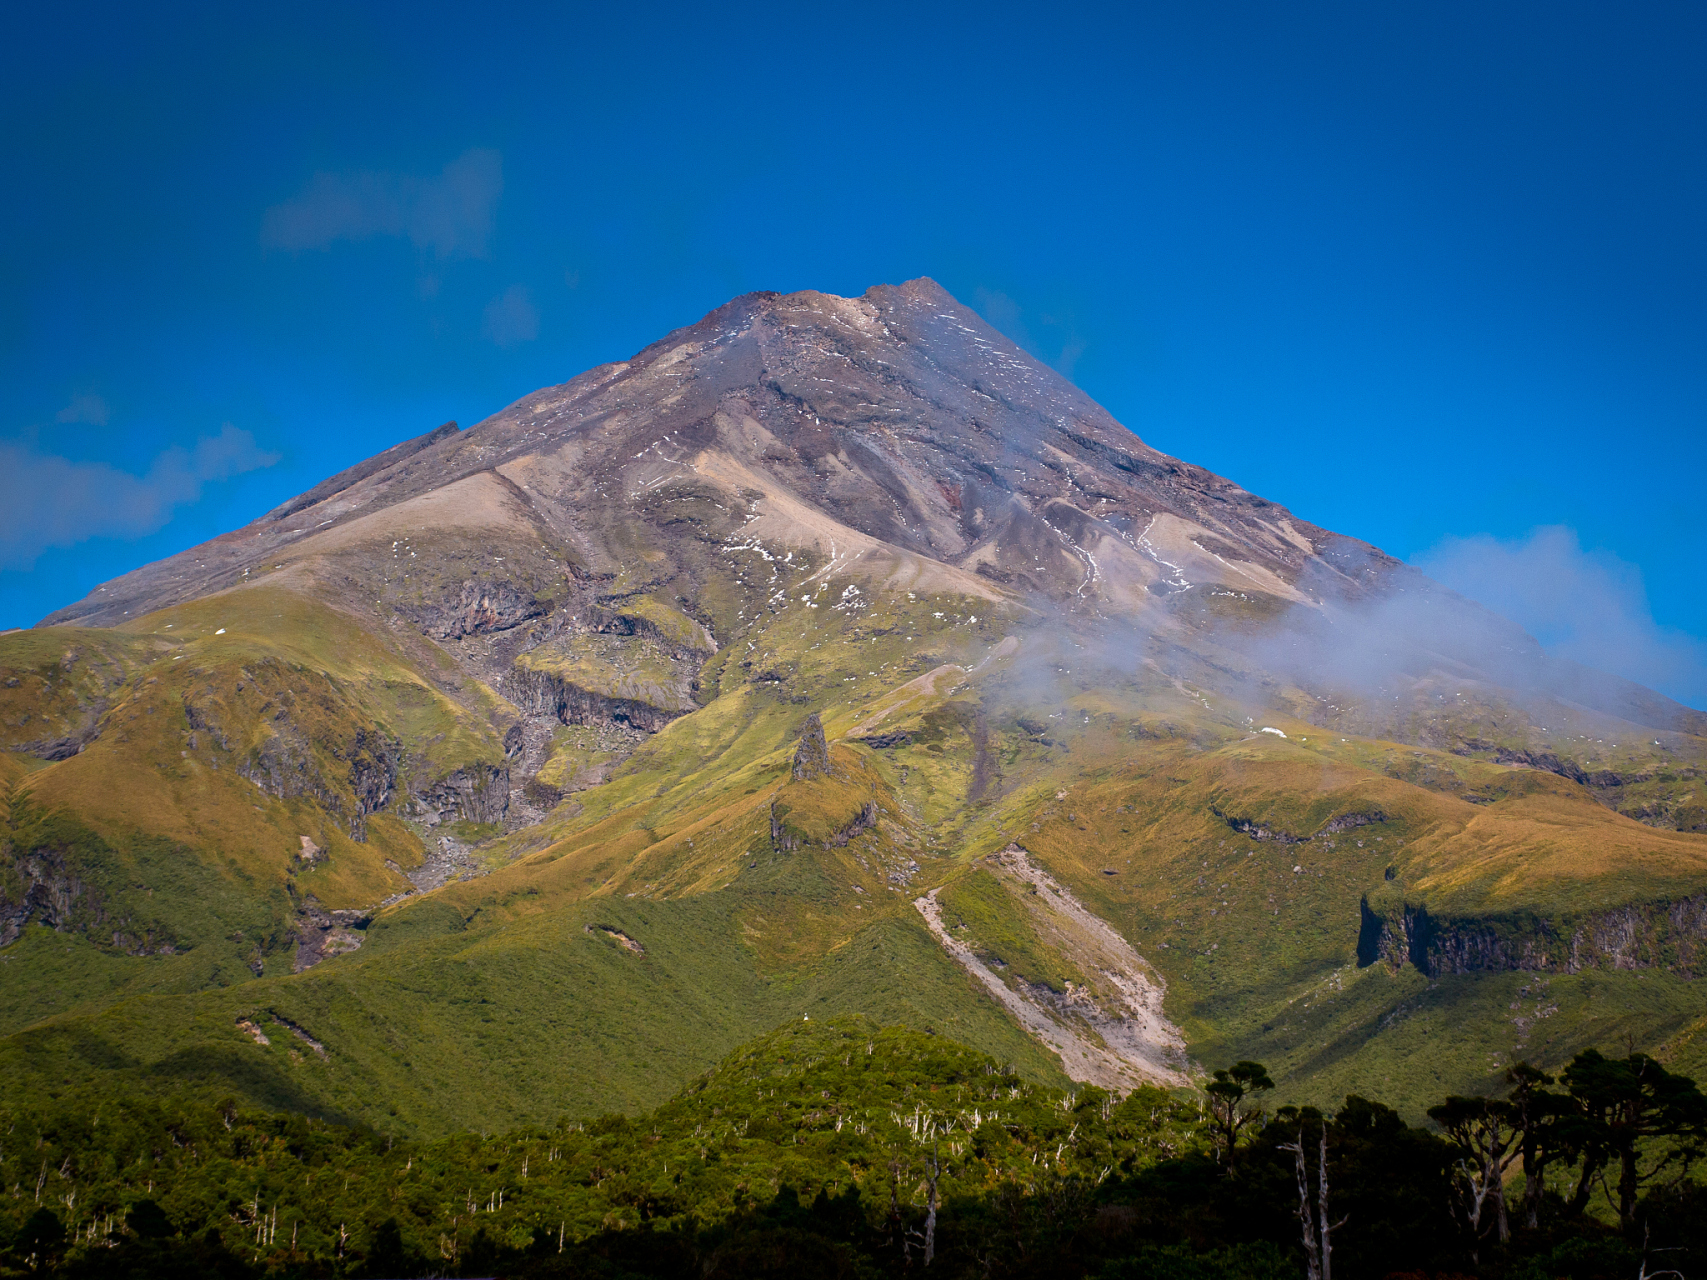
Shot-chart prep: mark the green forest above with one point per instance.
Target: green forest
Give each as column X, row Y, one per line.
column 843, row 1148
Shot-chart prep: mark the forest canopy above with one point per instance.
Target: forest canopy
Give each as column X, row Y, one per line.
column 843, row 1148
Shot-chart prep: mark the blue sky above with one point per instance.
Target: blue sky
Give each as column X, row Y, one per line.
column 1429, row 274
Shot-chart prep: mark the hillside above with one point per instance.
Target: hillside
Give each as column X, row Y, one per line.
column 829, row 656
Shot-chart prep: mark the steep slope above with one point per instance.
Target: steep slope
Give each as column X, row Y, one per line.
column 898, row 421
column 480, row 767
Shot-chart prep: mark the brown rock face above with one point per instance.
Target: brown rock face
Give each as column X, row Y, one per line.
column 897, row 426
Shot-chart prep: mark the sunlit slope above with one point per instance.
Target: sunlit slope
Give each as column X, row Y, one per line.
column 248, row 757
column 1238, row 863
column 1266, row 881
column 702, row 892
column 487, row 998
column 1436, row 673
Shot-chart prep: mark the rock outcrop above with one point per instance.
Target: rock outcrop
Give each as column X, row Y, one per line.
column 321, row 934
column 473, row 793
column 812, row 755
column 40, row 884
column 478, row 608
column 1670, row 935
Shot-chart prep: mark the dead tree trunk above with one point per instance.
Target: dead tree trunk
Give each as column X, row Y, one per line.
column 1499, row 1199
column 1327, row 1228
column 1306, row 1219
column 930, row 1213
column 1315, row 1229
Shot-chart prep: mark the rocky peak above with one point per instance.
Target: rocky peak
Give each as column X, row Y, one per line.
column 897, row 422
column 812, row 755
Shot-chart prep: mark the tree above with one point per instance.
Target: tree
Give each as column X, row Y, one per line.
column 38, row 1240
column 388, row 1254
column 1620, row 1106
column 1486, row 1142
column 149, row 1221
column 1229, row 1112
column 1395, row 1183
column 1535, row 1112
column 1315, row 1231
column 923, row 1125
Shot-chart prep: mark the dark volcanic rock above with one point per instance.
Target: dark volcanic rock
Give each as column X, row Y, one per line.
column 321, row 934
column 477, row 608
column 900, row 414
column 474, row 793
column 896, row 435
column 1668, row 935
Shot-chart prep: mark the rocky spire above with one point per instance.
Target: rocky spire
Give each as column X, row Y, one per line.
column 812, row 756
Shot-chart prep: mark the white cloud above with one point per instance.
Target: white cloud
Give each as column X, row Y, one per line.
column 50, row 501
column 1589, row 606
column 511, row 317
column 450, row 214
column 84, row 407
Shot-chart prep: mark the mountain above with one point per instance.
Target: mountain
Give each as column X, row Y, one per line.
column 828, row 656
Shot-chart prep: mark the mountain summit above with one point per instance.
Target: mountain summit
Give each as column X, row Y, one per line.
column 899, row 424
column 828, row 655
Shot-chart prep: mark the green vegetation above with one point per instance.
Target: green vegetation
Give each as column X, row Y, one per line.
column 844, row 1147
column 421, row 1027
column 1236, row 863
column 576, row 754
column 1117, row 790
column 633, row 668
column 669, row 626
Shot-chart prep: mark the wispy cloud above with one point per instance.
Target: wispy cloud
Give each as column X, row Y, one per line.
column 1006, row 315
column 450, row 214
column 85, row 407
column 511, row 317
column 1003, row 313
column 1589, row 606
column 50, row 501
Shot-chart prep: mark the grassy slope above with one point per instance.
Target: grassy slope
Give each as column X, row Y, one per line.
column 425, row 1021
column 482, row 1028
column 174, row 842
column 1257, row 939
column 491, row 1001
column 979, row 910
